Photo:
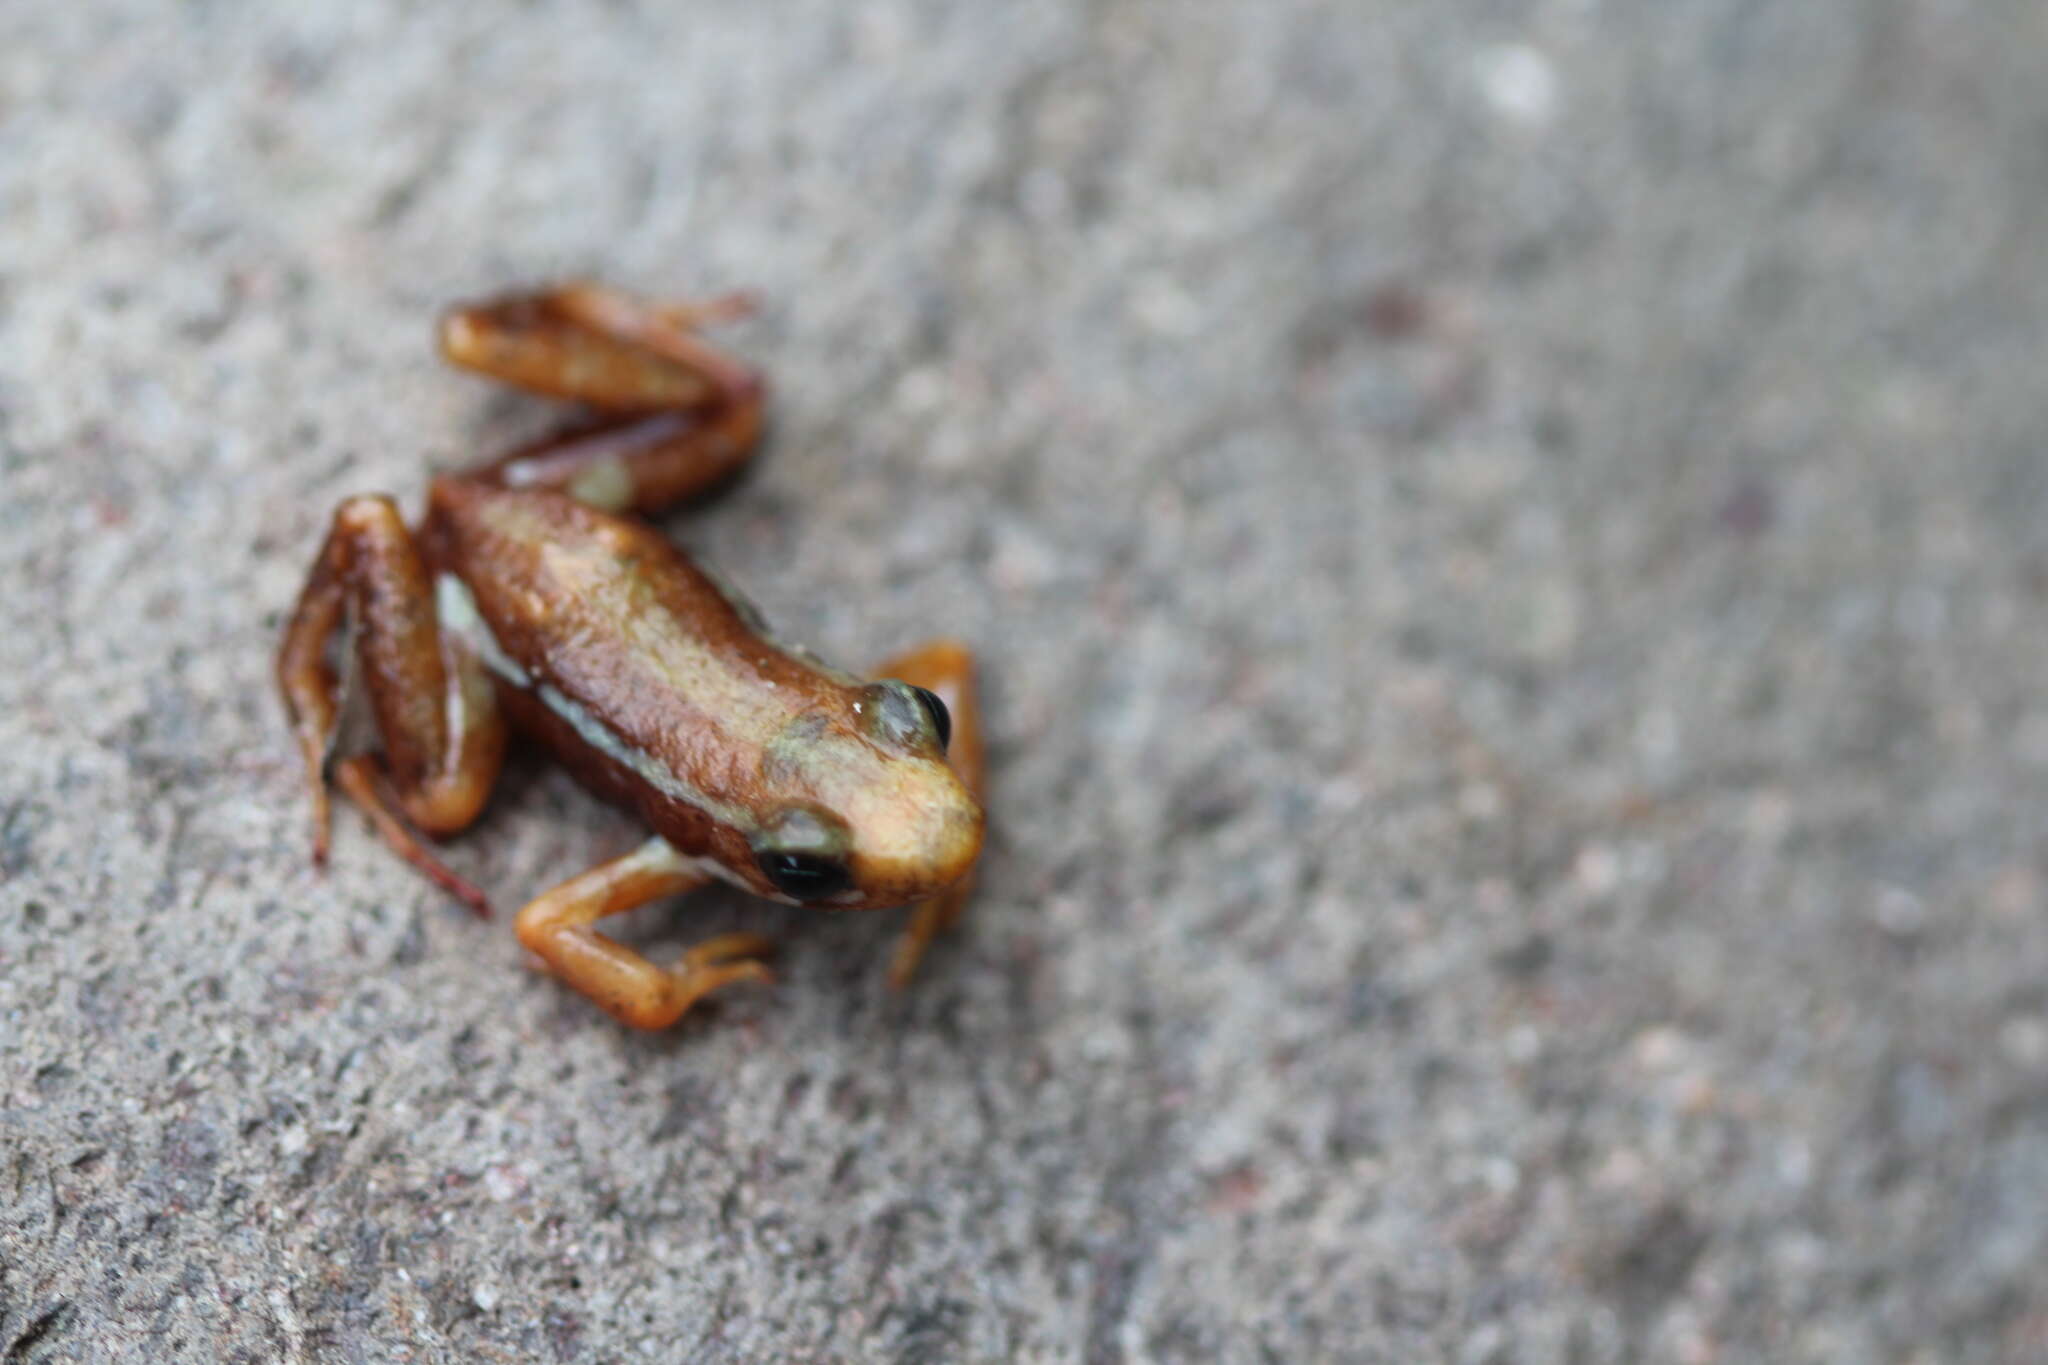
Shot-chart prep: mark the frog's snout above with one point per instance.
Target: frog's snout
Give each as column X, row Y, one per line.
column 916, row 837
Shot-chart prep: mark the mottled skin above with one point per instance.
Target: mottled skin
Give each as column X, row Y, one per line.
column 526, row 595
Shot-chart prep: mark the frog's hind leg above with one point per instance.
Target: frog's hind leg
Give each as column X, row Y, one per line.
column 676, row 414
column 436, row 713
column 945, row 667
column 557, row 927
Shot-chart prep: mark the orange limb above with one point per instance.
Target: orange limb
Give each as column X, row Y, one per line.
column 666, row 331
column 357, row 777
column 436, row 713
column 556, row 926
column 680, row 414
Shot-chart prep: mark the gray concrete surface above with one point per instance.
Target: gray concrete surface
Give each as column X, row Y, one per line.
column 1509, row 541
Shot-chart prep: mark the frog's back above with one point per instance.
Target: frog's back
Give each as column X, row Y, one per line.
column 629, row 650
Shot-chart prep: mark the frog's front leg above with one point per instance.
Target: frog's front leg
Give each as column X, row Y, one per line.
column 437, row 716
column 557, row 927
column 945, row 667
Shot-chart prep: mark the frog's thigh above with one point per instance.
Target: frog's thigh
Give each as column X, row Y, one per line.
column 947, row 668
column 644, row 463
column 556, row 927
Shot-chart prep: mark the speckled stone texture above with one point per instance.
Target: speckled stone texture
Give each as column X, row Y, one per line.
column 1511, row 546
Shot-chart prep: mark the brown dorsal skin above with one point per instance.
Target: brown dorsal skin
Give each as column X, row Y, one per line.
column 630, row 664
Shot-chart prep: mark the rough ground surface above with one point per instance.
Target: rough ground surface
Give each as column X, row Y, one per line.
column 1509, row 540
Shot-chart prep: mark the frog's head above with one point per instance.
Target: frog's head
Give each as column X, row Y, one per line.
column 871, row 814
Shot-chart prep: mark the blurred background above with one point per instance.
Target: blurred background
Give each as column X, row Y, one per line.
column 1507, row 542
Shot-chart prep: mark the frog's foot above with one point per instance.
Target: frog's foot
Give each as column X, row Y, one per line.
column 697, row 314
column 945, row 667
column 557, row 927
column 359, row 779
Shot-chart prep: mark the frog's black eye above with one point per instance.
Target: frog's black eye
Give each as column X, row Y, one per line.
column 802, row 852
column 898, row 713
column 942, row 720
column 805, row 876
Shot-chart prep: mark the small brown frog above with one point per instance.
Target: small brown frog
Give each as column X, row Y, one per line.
column 529, row 593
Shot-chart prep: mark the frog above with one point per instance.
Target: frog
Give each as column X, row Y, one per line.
column 534, row 598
